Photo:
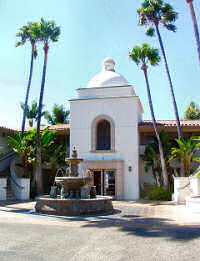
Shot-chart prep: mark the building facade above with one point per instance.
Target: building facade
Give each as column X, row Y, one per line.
column 104, row 122
column 107, row 129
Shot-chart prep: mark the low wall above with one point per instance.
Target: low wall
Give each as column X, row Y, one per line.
column 195, row 185
column 181, row 189
column 19, row 186
column 3, row 188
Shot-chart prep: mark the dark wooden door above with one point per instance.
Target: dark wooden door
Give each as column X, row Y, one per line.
column 97, row 181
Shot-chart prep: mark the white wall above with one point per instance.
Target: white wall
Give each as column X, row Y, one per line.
column 125, row 114
column 105, row 92
column 20, row 186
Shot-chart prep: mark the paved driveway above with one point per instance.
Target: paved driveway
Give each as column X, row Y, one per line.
column 137, row 231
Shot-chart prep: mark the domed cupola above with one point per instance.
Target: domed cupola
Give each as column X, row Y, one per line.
column 108, row 77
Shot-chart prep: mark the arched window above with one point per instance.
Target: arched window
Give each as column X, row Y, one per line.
column 103, row 135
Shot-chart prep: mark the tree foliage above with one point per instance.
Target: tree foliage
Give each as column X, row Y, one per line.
column 25, row 147
column 151, row 157
column 21, row 145
column 186, row 152
column 192, row 112
column 157, row 12
column 144, row 55
column 49, row 31
column 59, row 115
column 32, row 112
column 29, row 33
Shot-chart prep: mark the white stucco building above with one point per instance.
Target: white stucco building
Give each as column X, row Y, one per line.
column 108, row 131
column 104, row 129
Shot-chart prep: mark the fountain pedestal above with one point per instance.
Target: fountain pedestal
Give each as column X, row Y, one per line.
column 75, row 197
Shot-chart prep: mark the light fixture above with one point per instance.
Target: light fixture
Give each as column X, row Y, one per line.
column 129, row 167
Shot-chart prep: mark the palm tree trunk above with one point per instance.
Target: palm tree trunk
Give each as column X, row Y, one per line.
column 162, row 160
column 154, row 176
column 39, row 181
column 196, row 31
column 28, row 90
column 170, row 81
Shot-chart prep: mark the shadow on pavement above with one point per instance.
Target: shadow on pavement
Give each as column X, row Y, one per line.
column 15, row 206
column 149, row 227
column 132, row 224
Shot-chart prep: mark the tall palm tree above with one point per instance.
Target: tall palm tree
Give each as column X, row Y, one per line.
column 195, row 25
column 49, row 33
column 152, row 14
column 28, row 33
column 142, row 56
column 59, row 115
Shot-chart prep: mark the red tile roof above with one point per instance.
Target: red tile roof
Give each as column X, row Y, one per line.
column 4, row 129
column 56, row 127
column 171, row 123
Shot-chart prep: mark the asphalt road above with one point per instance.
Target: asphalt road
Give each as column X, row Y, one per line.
column 127, row 235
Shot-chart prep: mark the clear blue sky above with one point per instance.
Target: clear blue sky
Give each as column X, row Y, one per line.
column 92, row 30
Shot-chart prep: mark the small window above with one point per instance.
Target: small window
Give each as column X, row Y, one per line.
column 103, row 136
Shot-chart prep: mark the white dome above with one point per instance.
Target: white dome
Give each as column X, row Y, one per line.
column 107, row 77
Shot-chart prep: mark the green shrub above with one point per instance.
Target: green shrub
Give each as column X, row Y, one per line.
column 159, row 193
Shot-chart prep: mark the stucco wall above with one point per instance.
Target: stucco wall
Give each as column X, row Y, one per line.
column 106, row 92
column 124, row 113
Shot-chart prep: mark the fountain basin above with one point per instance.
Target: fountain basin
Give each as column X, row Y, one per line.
column 74, row 207
column 73, row 183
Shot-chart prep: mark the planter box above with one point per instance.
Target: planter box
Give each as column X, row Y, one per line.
column 3, row 188
column 181, row 189
column 194, row 185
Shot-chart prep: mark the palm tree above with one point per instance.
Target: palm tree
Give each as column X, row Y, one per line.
column 32, row 112
column 152, row 161
column 192, row 112
column 59, row 115
column 49, row 33
column 152, row 14
column 195, row 25
column 30, row 33
column 185, row 152
column 151, row 157
column 142, row 56
column 20, row 144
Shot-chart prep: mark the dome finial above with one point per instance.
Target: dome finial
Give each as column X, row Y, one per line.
column 109, row 64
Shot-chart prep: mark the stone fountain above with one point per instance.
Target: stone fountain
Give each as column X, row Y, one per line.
column 73, row 185
column 77, row 194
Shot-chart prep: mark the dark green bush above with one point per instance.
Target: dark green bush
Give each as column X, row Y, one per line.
column 159, row 193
